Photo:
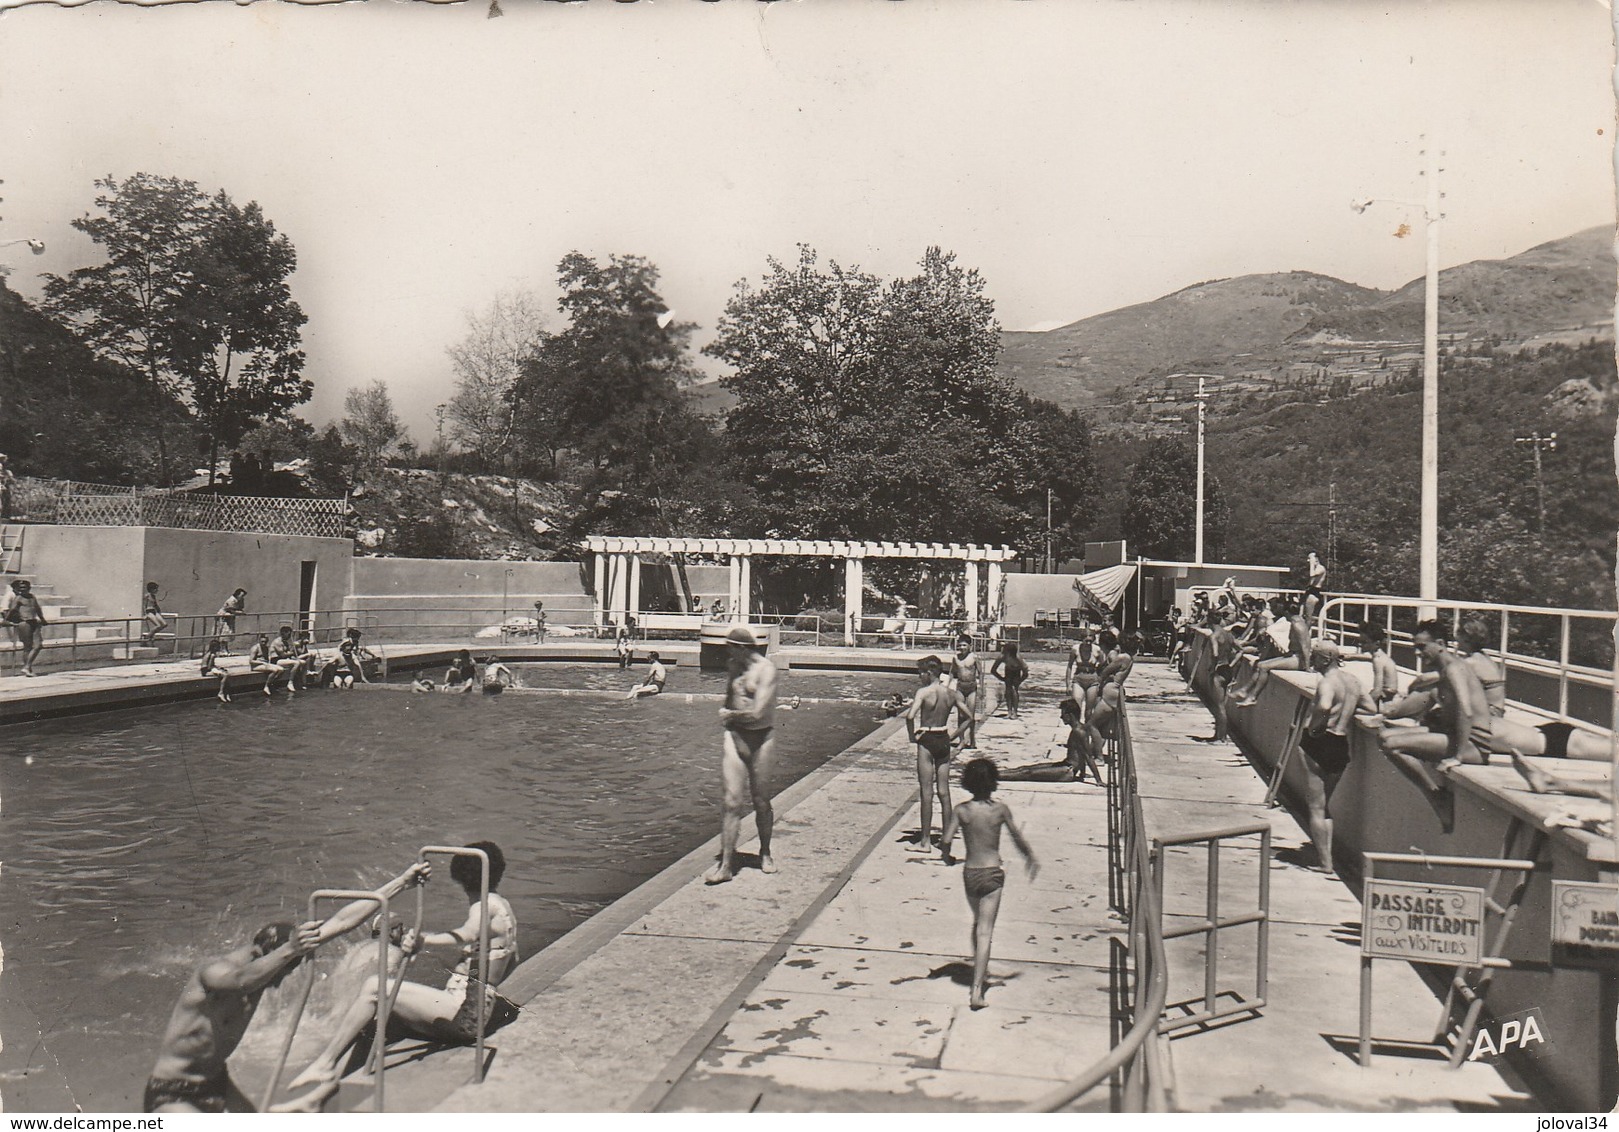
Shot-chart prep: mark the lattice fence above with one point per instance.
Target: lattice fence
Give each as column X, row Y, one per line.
column 100, row 505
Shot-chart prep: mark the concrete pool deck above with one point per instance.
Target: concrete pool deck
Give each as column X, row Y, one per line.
column 840, row 983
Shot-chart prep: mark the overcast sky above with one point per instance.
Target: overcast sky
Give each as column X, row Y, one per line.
column 1083, row 155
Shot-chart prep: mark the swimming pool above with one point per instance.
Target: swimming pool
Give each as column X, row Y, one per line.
column 136, row 845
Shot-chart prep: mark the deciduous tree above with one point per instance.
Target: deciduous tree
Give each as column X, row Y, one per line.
column 487, row 363
column 369, row 423
column 193, row 295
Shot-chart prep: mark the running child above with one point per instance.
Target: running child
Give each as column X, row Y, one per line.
column 981, row 821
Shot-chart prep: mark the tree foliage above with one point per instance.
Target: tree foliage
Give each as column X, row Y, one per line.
column 1160, row 509
column 607, row 389
column 874, row 410
column 487, row 363
column 369, row 423
column 193, row 295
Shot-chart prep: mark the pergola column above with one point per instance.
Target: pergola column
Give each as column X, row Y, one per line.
column 992, row 604
column 734, row 605
column 972, row 596
column 634, row 609
column 617, row 586
column 600, row 596
column 853, row 597
column 744, row 587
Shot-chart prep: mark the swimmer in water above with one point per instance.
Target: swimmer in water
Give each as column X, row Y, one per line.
column 462, row 675
column 423, row 684
column 220, row 999
column 497, row 677
column 449, row 1015
column 980, row 822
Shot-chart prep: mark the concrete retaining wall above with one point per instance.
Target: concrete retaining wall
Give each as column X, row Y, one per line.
column 1376, row 809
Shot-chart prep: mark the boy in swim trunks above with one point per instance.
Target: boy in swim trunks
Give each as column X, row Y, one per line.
column 928, row 722
column 1325, row 742
column 967, row 671
column 980, row 822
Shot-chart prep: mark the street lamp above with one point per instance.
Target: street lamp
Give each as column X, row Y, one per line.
column 1428, row 581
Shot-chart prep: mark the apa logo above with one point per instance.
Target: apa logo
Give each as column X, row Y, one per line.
column 1511, row 1034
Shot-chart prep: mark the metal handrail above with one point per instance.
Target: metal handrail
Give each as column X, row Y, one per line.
column 1563, row 669
column 1139, row 1052
column 384, row 1001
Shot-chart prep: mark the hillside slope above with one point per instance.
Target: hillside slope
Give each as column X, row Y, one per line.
column 1265, row 327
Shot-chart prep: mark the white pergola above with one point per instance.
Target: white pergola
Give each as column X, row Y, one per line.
column 618, row 569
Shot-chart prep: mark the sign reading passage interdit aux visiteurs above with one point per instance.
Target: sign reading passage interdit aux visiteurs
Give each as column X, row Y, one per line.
column 1585, row 914
column 1423, row 923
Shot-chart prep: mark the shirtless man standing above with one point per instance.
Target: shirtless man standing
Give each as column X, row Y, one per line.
column 1224, row 648
column 1325, row 742
column 928, row 722
column 749, row 717
column 219, row 1001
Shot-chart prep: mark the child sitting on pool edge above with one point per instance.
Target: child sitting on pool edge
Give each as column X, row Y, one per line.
column 980, row 822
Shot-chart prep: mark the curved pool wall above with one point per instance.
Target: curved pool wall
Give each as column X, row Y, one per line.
column 1376, row 809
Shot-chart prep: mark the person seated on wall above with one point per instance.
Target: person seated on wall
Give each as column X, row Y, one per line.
column 260, row 660
column 1457, row 728
column 657, row 675
column 1374, row 642
column 1296, row 659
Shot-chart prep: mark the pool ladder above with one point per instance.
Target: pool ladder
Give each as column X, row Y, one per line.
column 385, row 1001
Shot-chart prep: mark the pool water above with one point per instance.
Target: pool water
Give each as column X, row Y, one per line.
column 136, row 845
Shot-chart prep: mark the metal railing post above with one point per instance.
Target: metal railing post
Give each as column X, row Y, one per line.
column 1211, row 939
column 1562, row 671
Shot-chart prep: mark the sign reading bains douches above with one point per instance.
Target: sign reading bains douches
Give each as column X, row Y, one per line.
column 1423, row 923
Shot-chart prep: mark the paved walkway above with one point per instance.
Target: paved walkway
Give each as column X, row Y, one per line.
column 841, row 982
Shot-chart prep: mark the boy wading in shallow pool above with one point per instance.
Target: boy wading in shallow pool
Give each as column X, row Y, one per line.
column 980, row 822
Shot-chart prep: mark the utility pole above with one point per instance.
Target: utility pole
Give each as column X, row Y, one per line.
column 1202, row 405
column 1428, row 574
column 1539, row 443
column 1332, row 526
column 1051, row 562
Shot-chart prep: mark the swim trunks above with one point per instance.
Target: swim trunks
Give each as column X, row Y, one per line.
column 1224, row 672
column 204, row 1096
column 1328, row 751
column 464, row 1026
column 1556, row 739
column 935, row 743
column 982, row 882
column 493, row 688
